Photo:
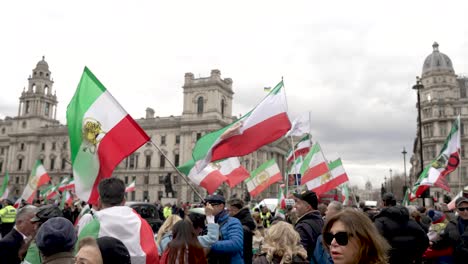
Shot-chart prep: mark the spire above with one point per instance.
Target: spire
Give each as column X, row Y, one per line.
column 435, row 46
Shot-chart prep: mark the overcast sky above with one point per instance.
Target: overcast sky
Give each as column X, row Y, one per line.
column 351, row 63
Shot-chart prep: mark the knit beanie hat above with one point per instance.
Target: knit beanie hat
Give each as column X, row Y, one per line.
column 56, row 235
column 113, row 251
column 436, row 216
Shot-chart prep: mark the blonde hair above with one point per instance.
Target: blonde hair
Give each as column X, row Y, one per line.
column 283, row 241
column 167, row 226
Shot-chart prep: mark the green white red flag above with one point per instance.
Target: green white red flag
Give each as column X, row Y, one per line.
column 300, row 125
column 300, row 149
column 101, row 134
column 435, row 173
column 314, row 165
column 130, row 187
column 262, row 177
column 345, row 194
column 282, row 196
column 267, row 122
column 4, row 187
column 67, row 198
column 209, row 178
column 49, row 192
column 330, row 180
column 66, row 184
column 232, row 170
column 37, row 178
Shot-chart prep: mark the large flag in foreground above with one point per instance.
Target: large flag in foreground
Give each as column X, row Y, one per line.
column 37, row 178
column 314, row 165
column 330, row 180
column 4, row 187
column 233, row 170
column 262, row 177
column 101, row 135
column 264, row 124
column 447, row 161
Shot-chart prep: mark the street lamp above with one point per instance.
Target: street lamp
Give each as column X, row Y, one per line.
column 391, row 181
column 418, row 86
column 404, row 166
column 385, row 181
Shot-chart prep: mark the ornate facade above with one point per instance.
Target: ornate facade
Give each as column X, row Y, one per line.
column 442, row 98
column 35, row 133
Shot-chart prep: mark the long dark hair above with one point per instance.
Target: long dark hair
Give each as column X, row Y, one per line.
column 184, row 245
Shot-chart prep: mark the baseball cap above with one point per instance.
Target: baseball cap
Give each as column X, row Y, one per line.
column 215, row 199
column 308, row 196
column 46, row 212
column 461, row 200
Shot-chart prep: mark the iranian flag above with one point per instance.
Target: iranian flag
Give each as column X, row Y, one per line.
column 300, row 149
column 37, row 178
column 262, row 177
column 282, row 196
column 233, row 171
column 314, row 165
column 330, row 180
column 447, row 161
column 209, row 178
column 67, row 198
column 4, row 187
column 267, row 122
column 101, row 133
column 130, row 187
column 134, row 232
column 49, row 192
column 345, row 194
column 66, row 184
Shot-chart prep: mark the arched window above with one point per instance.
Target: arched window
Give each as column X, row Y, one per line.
column 200, row 105
column 222, row 107
column 33, row 87
column 23, row 124
column 46, row 89
column 27, row 107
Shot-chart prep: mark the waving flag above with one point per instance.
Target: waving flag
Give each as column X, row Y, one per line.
column 262, row 177
column 37, row 178
column 101, row 133
column 314, row 165
column 447, row 161
column 130, row 187
column 209, row 178
column 66, row 184
column 300, row 125
column 264, row 124
column 232, row 170
column 300, row 149
column 330, row 180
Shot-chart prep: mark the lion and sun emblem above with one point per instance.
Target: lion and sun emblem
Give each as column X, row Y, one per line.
column 92, row 134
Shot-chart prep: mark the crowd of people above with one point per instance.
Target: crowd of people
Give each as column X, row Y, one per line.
column 230, row 231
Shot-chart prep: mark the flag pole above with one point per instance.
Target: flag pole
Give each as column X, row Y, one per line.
column 178, row 172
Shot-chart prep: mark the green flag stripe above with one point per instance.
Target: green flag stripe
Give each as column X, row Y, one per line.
column 335, row 164
column 305, row 165
column 262, row 167
column 89, row 89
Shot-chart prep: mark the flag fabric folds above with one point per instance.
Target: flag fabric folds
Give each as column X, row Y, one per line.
column 130, row 187
column 434, row 174
column 345, row 194
column 101, row 134
column 4, row 187
column 209, row 178
column 300, row 149
column 37, row 178
column 267, row 122
column 233, row 171
column 67, row 198
column 329, row 180
column 66, row 184
column 262, row 177
column 300, row 125
column 314, row 165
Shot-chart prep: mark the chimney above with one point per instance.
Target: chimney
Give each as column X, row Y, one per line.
column 149, row 113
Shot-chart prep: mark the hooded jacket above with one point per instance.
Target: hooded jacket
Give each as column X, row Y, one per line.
column 248, row 226
column 309, row 226
column 231, row 244
column 406, row 237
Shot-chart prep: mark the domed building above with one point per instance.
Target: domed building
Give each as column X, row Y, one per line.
column 443, row 97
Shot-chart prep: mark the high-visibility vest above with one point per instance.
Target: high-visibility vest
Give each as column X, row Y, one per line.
column 8, row 214
column 167, row 212
column 266, row 219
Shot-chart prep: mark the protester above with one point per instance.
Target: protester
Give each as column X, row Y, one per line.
column 88, row 252
column 7, row 217
column 350, row 237
column 122, row 222
column 167, row 210
column 310, row 223
column 322, row 208
column 321, row 255
column 416, row 216
column 266, row 216
column 164, row 235
column 184, row 248
column 281, row 245
column 407, row 239
column 21, row 232
column 56, row 239
column 237, row 210
column 333, row 208
column 230, row 247
column 455, row 234
column 439, row 223
column 198, row 216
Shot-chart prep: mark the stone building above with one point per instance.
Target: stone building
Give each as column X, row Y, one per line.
column 35, row 133
column 442, row 98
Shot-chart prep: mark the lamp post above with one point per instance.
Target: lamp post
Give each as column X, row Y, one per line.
column 418, row 86
column 391, row 181
column 404, row 167
column 385, row 181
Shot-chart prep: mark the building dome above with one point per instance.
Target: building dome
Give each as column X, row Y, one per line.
column 437, row 62
column 42, row 64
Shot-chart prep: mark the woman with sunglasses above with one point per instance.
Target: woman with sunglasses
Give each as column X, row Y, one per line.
column 351, row 238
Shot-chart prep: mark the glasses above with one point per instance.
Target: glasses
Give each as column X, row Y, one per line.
column 462, row 209
column 340, row 237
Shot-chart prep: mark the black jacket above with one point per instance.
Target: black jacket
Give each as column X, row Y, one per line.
column 10, row 246
column 248, row 225
column 406, row 237
column 309, row 227
column 455, row 235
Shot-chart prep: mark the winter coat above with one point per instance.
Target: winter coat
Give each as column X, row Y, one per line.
column 261, row 259
column 309, row 227
column 406, row 237
column 455, row 235
column 248, row 225
column 231, row 242
column 321, row 255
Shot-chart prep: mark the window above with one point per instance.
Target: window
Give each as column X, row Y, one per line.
column 64, row 164
column 47, row 108
column 3, row 130
column 163, row 140
column 16, row 179
column 177, row 139
column 20, row 163
column 42, row 146
column 64, row 145
column 42, row 161
column 148, row 161
column 27, row 107
column 22, row 146
column 146, row 179
column 133, row 196
column 462, row 151
column 162, row 161
column 41, row 73
column 429, row 152
column 176, row 160
column 53, row 145
column 198, row 136
column 462, row 91
column 442, row 129
column 126, row 179
column 1, row 166
column 160, row 195
column 427, row 112
column 23, row 125
column 462, row 128
column 52, row 163
column 463, row 175
column 176, row 179
column 441, row 111
column 145, row 196
column 2, row 151
column 428, row 131
column 457, row 110
column 222, row 107
column 161, row 179
column 200, row 105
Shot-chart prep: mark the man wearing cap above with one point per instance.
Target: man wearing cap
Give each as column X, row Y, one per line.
column 406, row 237
column 7, row 216
column 455, row 234
column 56, row 239
column 310, row 223
column 230, row 247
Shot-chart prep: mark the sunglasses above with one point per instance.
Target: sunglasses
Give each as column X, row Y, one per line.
column 461, row 209
column 340, row 237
